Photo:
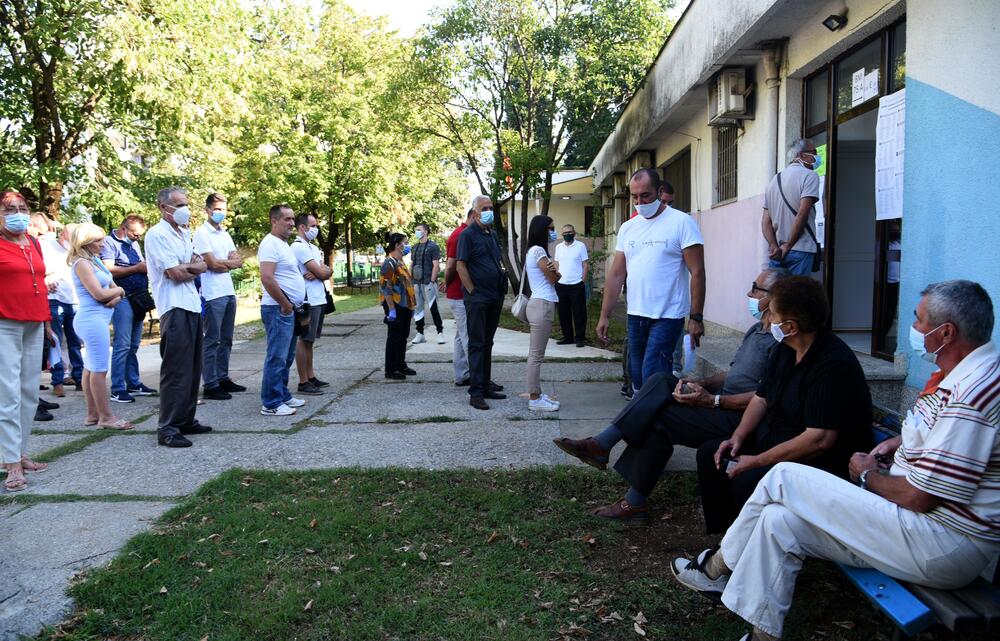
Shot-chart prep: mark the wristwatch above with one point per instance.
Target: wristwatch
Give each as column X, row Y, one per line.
column 717, row 403
column 697, row 317
column 863, row 479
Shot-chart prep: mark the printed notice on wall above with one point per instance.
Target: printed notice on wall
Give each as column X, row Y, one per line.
column 889, row 152
column 857, row 87
column 870, row 89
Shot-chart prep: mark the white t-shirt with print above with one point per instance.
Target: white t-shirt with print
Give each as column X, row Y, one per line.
column 570, row 258
column 657, row 276
column 540, row 286
column 286, row 271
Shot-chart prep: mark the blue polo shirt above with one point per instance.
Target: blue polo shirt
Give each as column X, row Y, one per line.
column 478, row 249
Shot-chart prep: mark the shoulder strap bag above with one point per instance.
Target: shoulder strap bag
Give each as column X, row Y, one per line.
column 818, row 255
column 520, row 307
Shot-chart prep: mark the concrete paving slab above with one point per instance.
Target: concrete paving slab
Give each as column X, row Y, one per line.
column 134, row 465
column 40, row 443
column 589, row 400
column 506, row 372
column 73, row 409
column 683, row 459
column 428, row 446
column 76, row 536
column 507, row 342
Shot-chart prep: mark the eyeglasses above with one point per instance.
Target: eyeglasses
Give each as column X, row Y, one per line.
column 754, row 287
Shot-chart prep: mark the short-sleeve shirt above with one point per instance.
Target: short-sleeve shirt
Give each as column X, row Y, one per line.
column 304, row 252
column 286, row 270
column 827, row 391
column 797, row 183
column 59, row 271
column 951, row 445
column 478, row 249
column 23, row 296
column 126, row 254
column 218, row 243
column 166, row 249
column 654, row 259
column 749, row 362
column 454, row 290
column 396, row 283
column 540, row 286
column 422, row 258
column 570, row 258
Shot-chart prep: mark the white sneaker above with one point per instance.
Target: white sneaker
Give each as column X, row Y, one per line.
column 419, row 338
column 440, row 338
column 295, row 402
column 691, row 573
column 542, row 404
column 551, row 400
column 281, row 410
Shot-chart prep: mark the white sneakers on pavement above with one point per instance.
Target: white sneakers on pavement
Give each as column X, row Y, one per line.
column 295, row 402
column 419, row 338
column 440, row 338
column 281, row 410
column 542, row 404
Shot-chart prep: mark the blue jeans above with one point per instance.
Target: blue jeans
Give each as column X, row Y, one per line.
column 651, row 343
column 124, row 362
column 220, row 317
column 62, row 325
column 799, row 263
column 280, row 333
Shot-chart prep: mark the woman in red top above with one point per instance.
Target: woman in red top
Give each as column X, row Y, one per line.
column 24, row 311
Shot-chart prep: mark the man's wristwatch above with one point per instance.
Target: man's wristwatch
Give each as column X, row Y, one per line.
column 863, row 479
column 717, row 404
column 697, row 317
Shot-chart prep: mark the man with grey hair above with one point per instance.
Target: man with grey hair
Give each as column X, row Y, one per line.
column 789, row 221
column 926, row 509
column 173, row 266
column 668, row 412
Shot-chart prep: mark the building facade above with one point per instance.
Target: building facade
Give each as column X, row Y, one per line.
column 901, row 99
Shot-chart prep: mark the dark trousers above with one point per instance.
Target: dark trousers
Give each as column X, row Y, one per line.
column 722, row 497
column 573, row 311
column 395, row 339
column 481, row 319
column 180, row 369
column 653, row 423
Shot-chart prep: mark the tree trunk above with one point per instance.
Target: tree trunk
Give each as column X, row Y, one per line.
column 522, row 245
column 350, row 251
column 329, row 241
column 547, row 193
column 50, row 196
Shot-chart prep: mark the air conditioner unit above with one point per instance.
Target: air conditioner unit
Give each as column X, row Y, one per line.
column 727, row 97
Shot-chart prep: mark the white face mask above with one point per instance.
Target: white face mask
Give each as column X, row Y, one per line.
column 182, row 215
column 649, row 209
column 917, row 344
column 778, row 333
column 312, row 233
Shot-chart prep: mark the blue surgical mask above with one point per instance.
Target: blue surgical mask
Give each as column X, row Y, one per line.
column 486, row 217
column 182, row 215
column 917, row 344
column 752, row 304
column 406, row 249
column 217, row 217
column 649, row 209
column 419, row 234
column 817, row 162
column 552, row 235
column 17, row 223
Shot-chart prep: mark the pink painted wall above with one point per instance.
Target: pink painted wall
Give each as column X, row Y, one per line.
column 734, row 254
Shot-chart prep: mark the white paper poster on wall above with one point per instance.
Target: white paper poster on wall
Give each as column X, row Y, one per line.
column 857, row 87
column 890, row 147
column 870, row 89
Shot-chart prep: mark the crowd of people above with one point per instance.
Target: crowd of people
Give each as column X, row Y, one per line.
column 786, row 458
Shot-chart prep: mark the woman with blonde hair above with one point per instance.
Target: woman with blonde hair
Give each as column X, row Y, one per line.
column 98, row 295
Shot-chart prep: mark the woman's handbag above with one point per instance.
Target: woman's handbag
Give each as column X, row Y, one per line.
column 520, row 307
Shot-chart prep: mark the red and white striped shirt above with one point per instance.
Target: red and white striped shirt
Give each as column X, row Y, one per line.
column 951, row 445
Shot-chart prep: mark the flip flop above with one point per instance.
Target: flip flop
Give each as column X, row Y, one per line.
column 31, row 466
column 15, row 485
column 89, row 423
column 120, row 424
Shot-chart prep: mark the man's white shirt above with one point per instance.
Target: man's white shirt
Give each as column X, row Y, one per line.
column 570, row 258
column 218, row 242
column 166, row 249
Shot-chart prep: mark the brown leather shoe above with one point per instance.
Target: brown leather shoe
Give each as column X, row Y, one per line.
column 58, row 390
column 622, row 512
column 478, row 403
column 586, row 449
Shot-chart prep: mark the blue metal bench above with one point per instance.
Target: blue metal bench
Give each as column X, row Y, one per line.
column 914, row 608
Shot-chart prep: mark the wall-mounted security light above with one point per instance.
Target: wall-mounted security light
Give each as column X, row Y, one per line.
column 567, row 197
column 834, row 21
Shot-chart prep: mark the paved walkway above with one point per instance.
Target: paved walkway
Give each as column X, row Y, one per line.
column 78, row 514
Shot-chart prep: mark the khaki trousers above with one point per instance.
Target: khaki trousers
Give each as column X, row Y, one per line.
column 541, row 313
column 21, row 360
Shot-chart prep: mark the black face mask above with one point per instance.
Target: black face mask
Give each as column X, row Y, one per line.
column 569, row 237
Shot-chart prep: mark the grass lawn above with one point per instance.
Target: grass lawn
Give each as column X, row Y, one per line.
column 351, row 302
column 403, row 554
column 616, row 326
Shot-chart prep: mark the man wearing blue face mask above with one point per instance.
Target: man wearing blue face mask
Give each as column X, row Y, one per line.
column 789, row 222
column 426, row 262
column 216, row 247
column 483, row 288
column 122, row 255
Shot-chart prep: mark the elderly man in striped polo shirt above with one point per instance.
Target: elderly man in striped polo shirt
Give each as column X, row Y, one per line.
column 927, row 505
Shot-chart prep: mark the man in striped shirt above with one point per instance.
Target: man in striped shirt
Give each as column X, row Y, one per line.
column 927, row 505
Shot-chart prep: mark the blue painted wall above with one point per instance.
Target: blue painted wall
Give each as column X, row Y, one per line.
column 951, row 203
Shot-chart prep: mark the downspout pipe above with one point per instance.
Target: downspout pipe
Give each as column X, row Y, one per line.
column 772, row 80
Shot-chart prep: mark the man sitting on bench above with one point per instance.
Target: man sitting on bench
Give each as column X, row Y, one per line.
column 667, row 412
column 927, row 508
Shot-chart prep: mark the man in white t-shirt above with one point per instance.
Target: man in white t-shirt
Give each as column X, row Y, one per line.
column 654, row 254
column 217, row 249
column 172, row 266
column 315, row 272
column 284, row 292
column 571, row 262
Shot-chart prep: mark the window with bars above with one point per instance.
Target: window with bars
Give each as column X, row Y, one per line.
column 725, row 164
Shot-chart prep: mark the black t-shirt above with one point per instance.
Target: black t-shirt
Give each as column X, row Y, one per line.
column 479, row 250
column 827, row 391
